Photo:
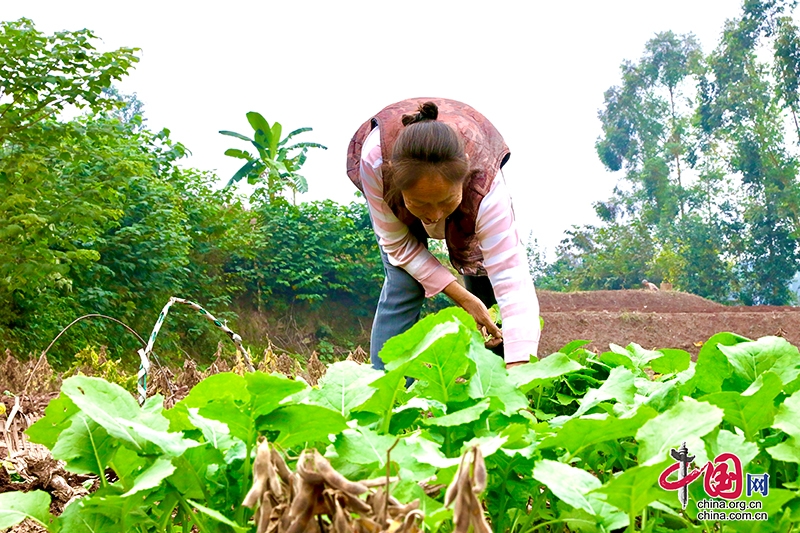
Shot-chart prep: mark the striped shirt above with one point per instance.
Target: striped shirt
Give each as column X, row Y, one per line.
column 504, row 255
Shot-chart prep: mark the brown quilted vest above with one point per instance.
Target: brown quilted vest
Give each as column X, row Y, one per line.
column 487, row 154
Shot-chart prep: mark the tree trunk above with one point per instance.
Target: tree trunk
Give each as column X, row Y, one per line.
column 677, row 156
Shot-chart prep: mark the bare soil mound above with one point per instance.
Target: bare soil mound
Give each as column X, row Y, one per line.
column 654, row 319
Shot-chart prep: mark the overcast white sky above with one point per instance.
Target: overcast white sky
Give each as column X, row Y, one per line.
column 537, row 70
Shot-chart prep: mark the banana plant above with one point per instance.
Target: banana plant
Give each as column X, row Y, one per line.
column 276, row 162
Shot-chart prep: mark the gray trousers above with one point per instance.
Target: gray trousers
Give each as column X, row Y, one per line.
column 401, row 301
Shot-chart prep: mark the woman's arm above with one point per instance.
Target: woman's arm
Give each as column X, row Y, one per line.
column 507, row 265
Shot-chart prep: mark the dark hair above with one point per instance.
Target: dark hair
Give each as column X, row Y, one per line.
column 425, row 146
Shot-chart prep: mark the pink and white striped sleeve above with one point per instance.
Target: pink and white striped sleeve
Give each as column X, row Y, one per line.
column 394, row 237
column 506, row 263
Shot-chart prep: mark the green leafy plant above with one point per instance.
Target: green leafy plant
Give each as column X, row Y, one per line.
column 576, row 440
column 276, row 163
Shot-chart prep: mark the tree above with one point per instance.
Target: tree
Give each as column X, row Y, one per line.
column 98, row 217
column 277, row 165
column 41, row 74
column 742, row 110
column 131, row 110
column 644, row 127
column 710, row 188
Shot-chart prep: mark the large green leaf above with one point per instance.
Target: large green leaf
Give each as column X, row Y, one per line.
column 244, row 170
column 461, row 417
column 274, row 138
column 432, row 351
column 712, row 365
column 572, row 346
column 491, row 380
column 788, row 451
column 267, row 391
column 751, row 359
column 235, row 415
column 103, row 511
column 619, row 386
column 439, row 367
column 403, row 348
column 345, row 386
column 787, row 418
column 17, row 506
column 637, row 354
column 292, row 134
column 570, row 484
column 234, row 134
column 85, row 447
column 606, row 517
column 191, row 478
column 152, row 476
column 388, row 389
column 725, row 441
column 303, row 424
column 237, row 401
column 216, row 433
column 635, row 488
column 113, row 408
column 671, row 361
column 222, row 386
column 660, row 395
column 127, row 464
column 363, row 446
column 57, row 417
column 417, row 458
column 579, row 433
column 238, row 154
column 258, row 122
column 749, row 412
column 111, row 512
column 688, row 419
column 526, row 377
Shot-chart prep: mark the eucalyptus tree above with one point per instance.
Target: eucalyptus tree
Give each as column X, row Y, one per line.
column 743, row 110
column 645, row 122
column 708, row 149
column 666, row 209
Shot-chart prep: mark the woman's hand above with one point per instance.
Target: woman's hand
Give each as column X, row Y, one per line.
column 476, row 309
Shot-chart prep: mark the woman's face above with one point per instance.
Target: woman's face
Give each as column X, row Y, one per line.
column 432, row 198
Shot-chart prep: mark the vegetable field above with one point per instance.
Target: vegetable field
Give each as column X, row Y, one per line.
column 655, row 319
column 578, row 441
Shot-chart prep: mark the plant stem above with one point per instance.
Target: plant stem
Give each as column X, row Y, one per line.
column 240, row 511
column 559, row 521
column 201, row 526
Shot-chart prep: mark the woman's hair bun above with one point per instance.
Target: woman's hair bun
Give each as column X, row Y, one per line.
column 426, row 111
